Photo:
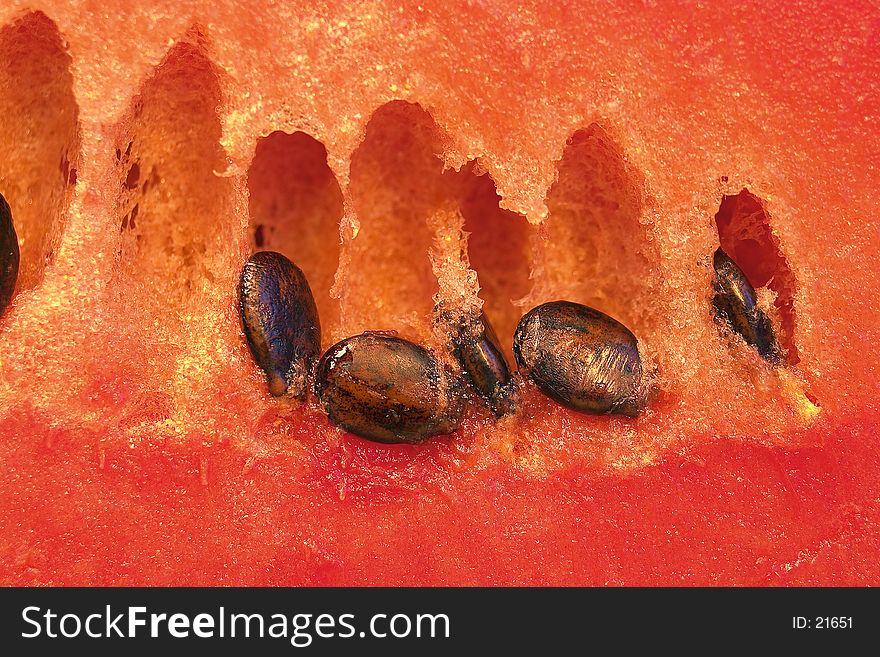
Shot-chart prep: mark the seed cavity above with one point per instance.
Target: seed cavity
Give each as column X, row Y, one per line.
column 177, row 250
column 384, row 388
column 745, row 234
column 8, row 255
column 396, row 185
column 582, row 358
column 499, row 250
column 39, row 137
column 479, row 352
column 735, row 303
column 597, row 245
column 295, row 205
column 280, row 321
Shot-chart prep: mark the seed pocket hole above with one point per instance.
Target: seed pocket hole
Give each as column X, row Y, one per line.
column 39, row 134
column 594, row 249
column 259, row 235
column 746, row 236
column 499, row 251
column 134, row 174
column 180, row 220
column 396, row 185
column 295, row 208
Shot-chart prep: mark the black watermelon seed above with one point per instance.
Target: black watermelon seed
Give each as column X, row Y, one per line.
column 8, row 255
column 735, row 302
column 581, row 357
column 387, row 389
column 480, row 355
column 280, row 321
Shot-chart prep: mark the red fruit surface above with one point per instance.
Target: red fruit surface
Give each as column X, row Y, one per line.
column 525, row 153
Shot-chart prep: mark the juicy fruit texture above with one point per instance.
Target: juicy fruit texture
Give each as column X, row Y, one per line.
column 582, row 358
column 585, row 155
column 387, row 389
column 280, row 321
column 9, row 255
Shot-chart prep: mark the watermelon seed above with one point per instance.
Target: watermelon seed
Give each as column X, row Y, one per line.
column 387, row 389
column 581, row 357
column 735, row 303
column 280, row 321
column 479, row 353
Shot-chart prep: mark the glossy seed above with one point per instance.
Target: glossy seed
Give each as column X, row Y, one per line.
column 481, row 357
column 735, row 302
column 8, row 255
column 280, row 321
column 581, row 357
column 387, row 389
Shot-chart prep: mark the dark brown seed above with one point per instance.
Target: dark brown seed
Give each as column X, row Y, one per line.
column 8, row 255
column 387, row 389
column 735, row 302
column 581, row 357
column 280, row 321
column 482, row 359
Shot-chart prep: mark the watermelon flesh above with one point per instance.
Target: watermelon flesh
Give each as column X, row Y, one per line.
column 401, row 162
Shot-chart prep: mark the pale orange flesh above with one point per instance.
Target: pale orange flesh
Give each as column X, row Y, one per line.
column 598, row 155
column 363, row 169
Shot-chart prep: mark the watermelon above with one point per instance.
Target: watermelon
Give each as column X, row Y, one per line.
column 412, row 156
